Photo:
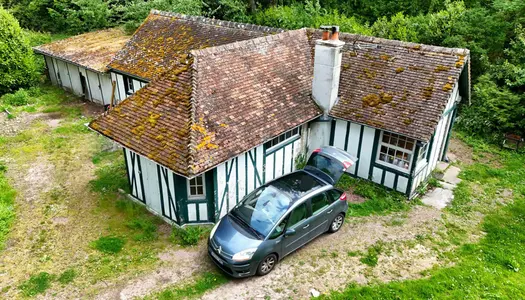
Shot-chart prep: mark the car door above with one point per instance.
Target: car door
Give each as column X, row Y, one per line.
column 329, row 163
column 298, row 220
column 322, row 213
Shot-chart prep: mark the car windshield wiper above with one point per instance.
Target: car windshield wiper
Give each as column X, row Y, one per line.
column 246, row 225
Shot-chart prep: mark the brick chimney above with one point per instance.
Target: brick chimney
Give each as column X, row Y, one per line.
column 327, row 68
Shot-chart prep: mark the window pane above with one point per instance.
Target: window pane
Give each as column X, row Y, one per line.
column 384, row 149
column 200, row 191
column 193, row 191
column 319, row 202
column 410, row 145
column 199, row 180
column 386, row 137
column 192, row 182
column 297, row 215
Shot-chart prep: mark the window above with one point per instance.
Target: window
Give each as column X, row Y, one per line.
column 128, row 84
column 334, row 195
column 396, row 150
column 319, row 202
column 283, row 137
column 298, row 214
column 196, row 187
column 279, row 229
column 422, row 153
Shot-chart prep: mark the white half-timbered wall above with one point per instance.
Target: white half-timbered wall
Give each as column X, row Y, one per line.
column 439, row 140
column 240, row 175
column 68, row 76
column 120, row 90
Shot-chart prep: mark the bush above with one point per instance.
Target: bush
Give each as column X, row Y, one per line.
column 109, row 244
column 188, row 236
column 17, row 64
column 19, row 98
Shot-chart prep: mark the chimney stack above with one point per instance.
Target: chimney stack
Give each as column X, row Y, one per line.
column 327, row 68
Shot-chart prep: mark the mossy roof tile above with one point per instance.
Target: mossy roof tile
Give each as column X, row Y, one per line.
column 92, row 50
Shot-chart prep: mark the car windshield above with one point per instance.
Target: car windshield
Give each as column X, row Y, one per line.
column 262, row 209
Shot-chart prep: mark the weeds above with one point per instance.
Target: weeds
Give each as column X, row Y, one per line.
column 147, row 229
column 372, row 255
column 67, row 276
column 7, row 200
column 108, row 244
column 36, row 284
column 203, row 283
column 379, row 201
column 189, row 236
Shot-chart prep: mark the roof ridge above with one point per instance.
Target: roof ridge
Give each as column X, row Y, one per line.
column 218, row 22
column 192, row 139
column 390, row 42
column 248, row 43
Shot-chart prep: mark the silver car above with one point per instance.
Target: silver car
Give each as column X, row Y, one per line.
column 282, row 215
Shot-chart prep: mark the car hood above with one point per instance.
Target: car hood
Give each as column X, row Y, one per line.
column 232, row 237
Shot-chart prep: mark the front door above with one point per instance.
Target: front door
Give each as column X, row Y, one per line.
column 300, row 222
column 83, row 83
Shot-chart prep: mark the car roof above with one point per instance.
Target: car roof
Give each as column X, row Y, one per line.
column 297, row 184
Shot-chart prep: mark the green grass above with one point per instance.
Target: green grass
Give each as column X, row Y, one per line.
column 379, row 200
column 492, row 268
column 190, row 235
column 67, row 276
column 203, row 283
column 7, row 211
column 36, row 284
column 111, row 174
column 372, row 255
column 145, row 228
column 109, row 244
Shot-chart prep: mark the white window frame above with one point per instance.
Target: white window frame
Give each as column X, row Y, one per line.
column 390, row 165
column 128, row 84
column 188, row 186
column 422, row 159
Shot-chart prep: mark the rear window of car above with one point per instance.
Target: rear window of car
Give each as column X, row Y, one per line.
column 297, row 184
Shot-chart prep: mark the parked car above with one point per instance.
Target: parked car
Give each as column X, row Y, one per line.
column 281, row 216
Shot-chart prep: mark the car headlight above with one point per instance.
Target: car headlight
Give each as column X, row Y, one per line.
column 212, row 232
column 244, row 255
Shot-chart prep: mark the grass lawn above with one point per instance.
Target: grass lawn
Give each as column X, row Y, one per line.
column 491, row 268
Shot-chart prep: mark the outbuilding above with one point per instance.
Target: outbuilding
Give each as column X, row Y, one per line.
column 224, row 107
column 79, row 64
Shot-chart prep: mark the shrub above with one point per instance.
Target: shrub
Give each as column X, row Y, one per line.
column 109, row 244
column 36, row 284
column 19, row 98
column 17, row 64
column 188, row 236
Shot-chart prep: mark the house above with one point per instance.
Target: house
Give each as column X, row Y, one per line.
column 79, row 64
column 229, row 106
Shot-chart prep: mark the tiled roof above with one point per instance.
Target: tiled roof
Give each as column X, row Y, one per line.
column 166, row 38
column 220, row 102
column 397, row 86
column 92, row 50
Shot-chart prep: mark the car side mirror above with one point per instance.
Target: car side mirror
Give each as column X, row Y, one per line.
column 289, row 232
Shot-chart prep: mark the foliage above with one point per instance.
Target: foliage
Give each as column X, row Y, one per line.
column 203, row 283
column 190, row 235
column 379, row 200
column 108, row 244
column 111, row 177
column 19, row 98
column 135, row 12
column 7, row 210
column 310, row 14
column 16, row 57
column 73, row 16
column 67, row 276
column 36, row 284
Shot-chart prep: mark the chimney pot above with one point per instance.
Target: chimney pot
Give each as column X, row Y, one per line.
column 326, row 35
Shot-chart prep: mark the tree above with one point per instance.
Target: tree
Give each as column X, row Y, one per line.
column 17, row 64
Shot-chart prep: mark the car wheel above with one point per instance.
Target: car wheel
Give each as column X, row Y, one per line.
column 337, row 223
column 267, row 265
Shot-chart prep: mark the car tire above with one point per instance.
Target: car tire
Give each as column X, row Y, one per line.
column 267, row 264
column 337, row 223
